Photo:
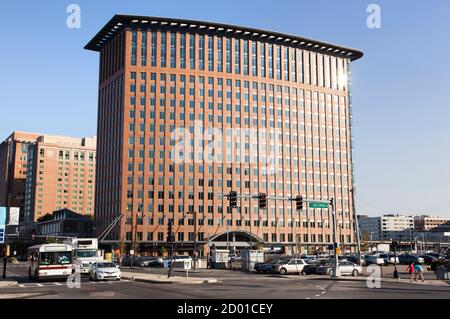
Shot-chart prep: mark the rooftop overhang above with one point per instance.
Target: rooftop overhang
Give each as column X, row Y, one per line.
column 119, row 22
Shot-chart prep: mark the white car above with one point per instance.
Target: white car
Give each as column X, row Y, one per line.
column 345, row 268
column 373, row 259
column 289, row 266
column 104, row 270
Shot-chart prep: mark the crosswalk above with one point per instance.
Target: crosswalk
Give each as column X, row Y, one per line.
column 56, row 284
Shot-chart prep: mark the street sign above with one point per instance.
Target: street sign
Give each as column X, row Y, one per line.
column 187, row 264
column 317, row 204
column 2, row 224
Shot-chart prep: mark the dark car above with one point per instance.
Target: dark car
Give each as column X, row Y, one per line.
column 428, row 259
column 407, row 259
column 265, row 267
column 310, row 269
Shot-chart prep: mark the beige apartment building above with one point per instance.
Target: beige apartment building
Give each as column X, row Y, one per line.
column 61, row 175
column 158, row 75
column 428, row 222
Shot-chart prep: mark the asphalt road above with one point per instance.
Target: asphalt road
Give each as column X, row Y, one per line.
column 231, row 285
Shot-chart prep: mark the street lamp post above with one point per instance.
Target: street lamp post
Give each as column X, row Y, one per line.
column 195, row 237
column 335, row 271
column 394, row 245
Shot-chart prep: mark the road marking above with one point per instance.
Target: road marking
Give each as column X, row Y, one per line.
column 317, row 295
column 57, row 284
column 21, row 286
column 40, row 285
column 323, row 292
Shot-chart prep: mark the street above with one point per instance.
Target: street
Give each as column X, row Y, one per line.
column 231, row 285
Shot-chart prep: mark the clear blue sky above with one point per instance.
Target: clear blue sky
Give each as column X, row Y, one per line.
column 401, row 88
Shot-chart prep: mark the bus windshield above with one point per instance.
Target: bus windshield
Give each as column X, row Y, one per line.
column 55, row 258
column 86, row 253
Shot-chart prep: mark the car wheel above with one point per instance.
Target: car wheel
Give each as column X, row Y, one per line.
column 95, row 277
column 329, row 272
column 283, row 271
column 355, row 273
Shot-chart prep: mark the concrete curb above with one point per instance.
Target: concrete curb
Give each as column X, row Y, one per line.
column 7, row 283
column 172, row 280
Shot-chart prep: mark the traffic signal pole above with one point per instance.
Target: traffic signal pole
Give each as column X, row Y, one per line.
column 335, row 271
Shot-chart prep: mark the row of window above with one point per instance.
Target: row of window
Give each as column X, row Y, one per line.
column 238, row 56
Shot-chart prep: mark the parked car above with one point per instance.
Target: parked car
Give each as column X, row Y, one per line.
column 373, row 260
column 436, row 255
column 406, row 259
column 345, row 267
column 233, row 257
column 310, row 269
column 354, row 259
column 389, row 259
column 149, row 261
column 428, row 259
column 288, row 266
column 102, row 270
column 265, row 267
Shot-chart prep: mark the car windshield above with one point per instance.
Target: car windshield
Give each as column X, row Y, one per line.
column 285, row 261
column 275, row 261
column 86, row 253
column 106, row 265
column 55, row 258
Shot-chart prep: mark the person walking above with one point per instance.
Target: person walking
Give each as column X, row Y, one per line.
column 418, row 270
column 410, row 270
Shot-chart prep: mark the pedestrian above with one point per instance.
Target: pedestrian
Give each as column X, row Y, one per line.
column 410, row 270
column 418, row 269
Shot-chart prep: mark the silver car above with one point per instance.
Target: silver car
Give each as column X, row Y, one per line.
column 345, row 268
column 289, row 266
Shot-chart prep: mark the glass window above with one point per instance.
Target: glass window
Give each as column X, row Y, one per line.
column 144, row 49
column 254, row 59
column 286, row 64
column 219, row 55
column 228, row 55
column 237, row 56
column 182, row 50
column 153, row 49
column 133, row 47
column 270, row 61
column 201, row 52
column 173, row 50
column 246, row 57
column 262, row 62
column 163, row 49
column 210, row 53
column 278, row 62
column 192, row 51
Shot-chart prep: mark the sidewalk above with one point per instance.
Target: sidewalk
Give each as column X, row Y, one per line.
column 7, row 283
column 162, row 279
column 438, row 283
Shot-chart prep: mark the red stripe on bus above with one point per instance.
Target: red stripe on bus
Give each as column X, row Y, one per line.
column 54, row 267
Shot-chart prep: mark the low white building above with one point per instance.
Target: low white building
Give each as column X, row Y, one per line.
column 387, row 227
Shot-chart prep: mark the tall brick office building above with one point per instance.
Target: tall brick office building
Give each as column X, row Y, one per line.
column 161, row 74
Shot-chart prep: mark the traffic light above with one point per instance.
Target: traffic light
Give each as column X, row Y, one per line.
column 233, row 199
column 299, row 202
column 262, row 198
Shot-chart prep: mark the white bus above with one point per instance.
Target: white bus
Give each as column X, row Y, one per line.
column 49, row 261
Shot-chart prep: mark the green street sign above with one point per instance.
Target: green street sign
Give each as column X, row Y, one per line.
column 318, row 204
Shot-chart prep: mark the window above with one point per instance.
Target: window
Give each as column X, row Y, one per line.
column 219, row 55
column 173, row 50
column 210, row 53
column 254, row 60
column 182, row 50
column 192, row 51
column 201, row 52
column 278, row 62
column 262, row 63
column 163, row 49
column 133, row 47
column 237, row 56
column 286, row 64
column 270, row 61
column 153, row 49
column 228, row 55
column 144, row 49
column 246, row 57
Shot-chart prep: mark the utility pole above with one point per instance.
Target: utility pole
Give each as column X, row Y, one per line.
column 355, row 218
column 335, row 271
column 195, row 239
